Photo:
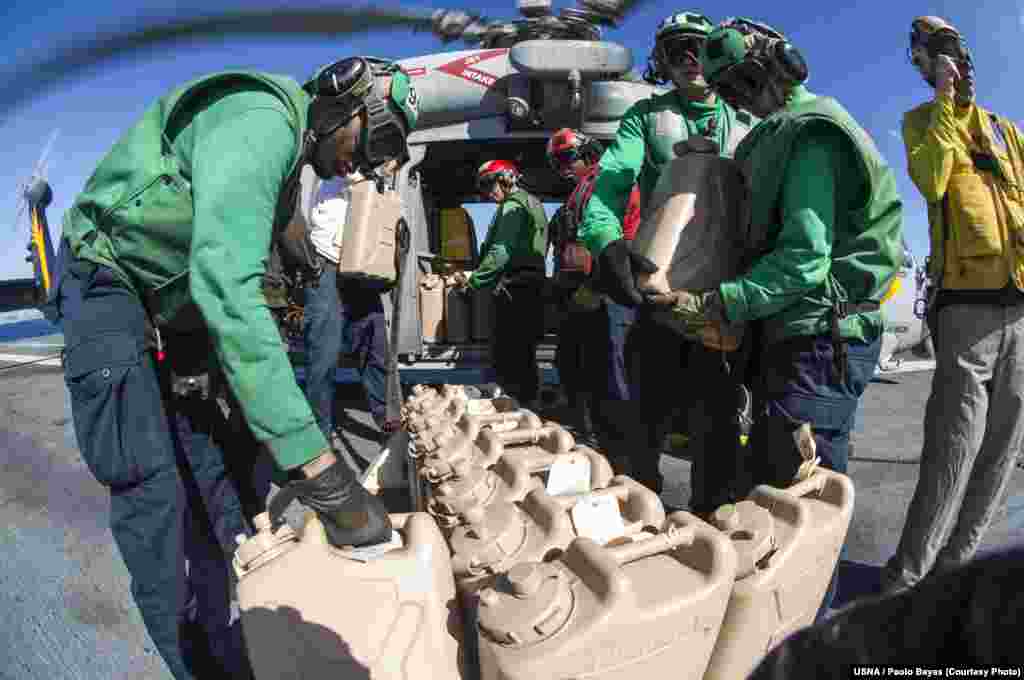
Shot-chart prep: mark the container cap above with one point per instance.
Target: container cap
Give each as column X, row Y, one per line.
column 532, row 603
column 751, row 528
column 265, row 545
column 458, row 494
column 491, row 537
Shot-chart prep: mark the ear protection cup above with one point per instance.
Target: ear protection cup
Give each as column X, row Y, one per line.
column 789, row 61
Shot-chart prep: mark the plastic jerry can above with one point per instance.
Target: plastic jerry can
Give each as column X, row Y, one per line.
column 310, row 610
column 440, row 437
column 548, row 439
column 539, row 528
column 462, row 442
column 788, row 542
column 458, row 308
column 507, row 481
column 371, row 228
column 483, row 314
column 695, row 227
column 646, row 606
column 432, row 307
column 419, row 395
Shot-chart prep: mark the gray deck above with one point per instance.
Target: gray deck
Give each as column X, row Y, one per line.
column 64, row 590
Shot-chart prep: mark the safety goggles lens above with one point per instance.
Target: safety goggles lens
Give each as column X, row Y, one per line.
column 565, row 157
column 485, row 185
column 677, row 49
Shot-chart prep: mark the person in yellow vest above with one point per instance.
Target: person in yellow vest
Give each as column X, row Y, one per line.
column 968, row 163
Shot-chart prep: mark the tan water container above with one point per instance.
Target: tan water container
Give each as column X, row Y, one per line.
column 537, row 529
column 420, row 394
column 549, row 439
column 506, row 417
column 310, row 610
column 454, row 442
column 368, row 249
column 483, row 315
column 432, row 307
column 694, row 228
column 458, row 310
column 788, row 542
column 648, row 607
column 509, row 480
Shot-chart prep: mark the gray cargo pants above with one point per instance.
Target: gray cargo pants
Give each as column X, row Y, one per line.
column 973, row 430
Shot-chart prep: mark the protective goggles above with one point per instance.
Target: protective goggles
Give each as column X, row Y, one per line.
column 740, row 84
column 485, row 185
column 942, row 42
column 674, row 50
column 563, row 159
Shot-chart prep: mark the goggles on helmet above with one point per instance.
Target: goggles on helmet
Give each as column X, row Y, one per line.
column 741, row 84
column 675, row 49
column 345, row 88
column 563, row 159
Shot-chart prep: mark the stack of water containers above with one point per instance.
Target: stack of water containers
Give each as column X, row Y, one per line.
column 532, row 560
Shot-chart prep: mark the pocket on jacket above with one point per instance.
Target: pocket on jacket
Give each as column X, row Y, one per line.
column 973, row 214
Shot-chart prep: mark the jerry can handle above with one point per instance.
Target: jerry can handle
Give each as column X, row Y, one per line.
column 525, row 436
column 821, row 481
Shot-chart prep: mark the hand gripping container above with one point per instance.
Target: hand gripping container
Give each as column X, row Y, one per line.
column 371, row 229
column 787, row 542
column 647, row 607
column 497, row 537
column 310, row 610
column 432, row 307
column 457, row 310
column 695, row 226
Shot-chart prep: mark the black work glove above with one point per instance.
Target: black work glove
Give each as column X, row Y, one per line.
column 617, row 266
column 351, row 515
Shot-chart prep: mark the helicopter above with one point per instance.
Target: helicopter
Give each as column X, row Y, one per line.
column 519, row 81
column 35, row 196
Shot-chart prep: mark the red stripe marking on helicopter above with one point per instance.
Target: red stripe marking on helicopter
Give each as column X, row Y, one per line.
column 463, row 67
column 418, row 71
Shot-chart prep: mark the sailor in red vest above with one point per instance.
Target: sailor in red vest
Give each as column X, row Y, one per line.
column 591, row 343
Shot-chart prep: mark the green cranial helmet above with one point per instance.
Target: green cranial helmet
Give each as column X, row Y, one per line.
column 740, row 55
column 684, row 22
column 345, row 88
column 674, row 36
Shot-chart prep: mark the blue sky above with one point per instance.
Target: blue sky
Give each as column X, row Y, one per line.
column 856, row 52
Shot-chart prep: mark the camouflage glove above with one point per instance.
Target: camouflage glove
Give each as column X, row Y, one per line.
column 701, row 316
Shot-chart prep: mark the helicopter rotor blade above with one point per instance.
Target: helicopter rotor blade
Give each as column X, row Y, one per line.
column 613, row 11
column 24, row 82
column 42, row 163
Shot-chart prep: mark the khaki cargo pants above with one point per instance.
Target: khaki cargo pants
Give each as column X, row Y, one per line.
column 973, row 430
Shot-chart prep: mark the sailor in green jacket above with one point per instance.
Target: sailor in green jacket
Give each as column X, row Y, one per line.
column 657, row 356
column 166, row 249
column 512, row 264
column 827, row 225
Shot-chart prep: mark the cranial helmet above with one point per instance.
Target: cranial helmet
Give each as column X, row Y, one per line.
column 741, row 56
column 567, row 146
column 345, row 88
column 676, row 34
column 938, row 36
